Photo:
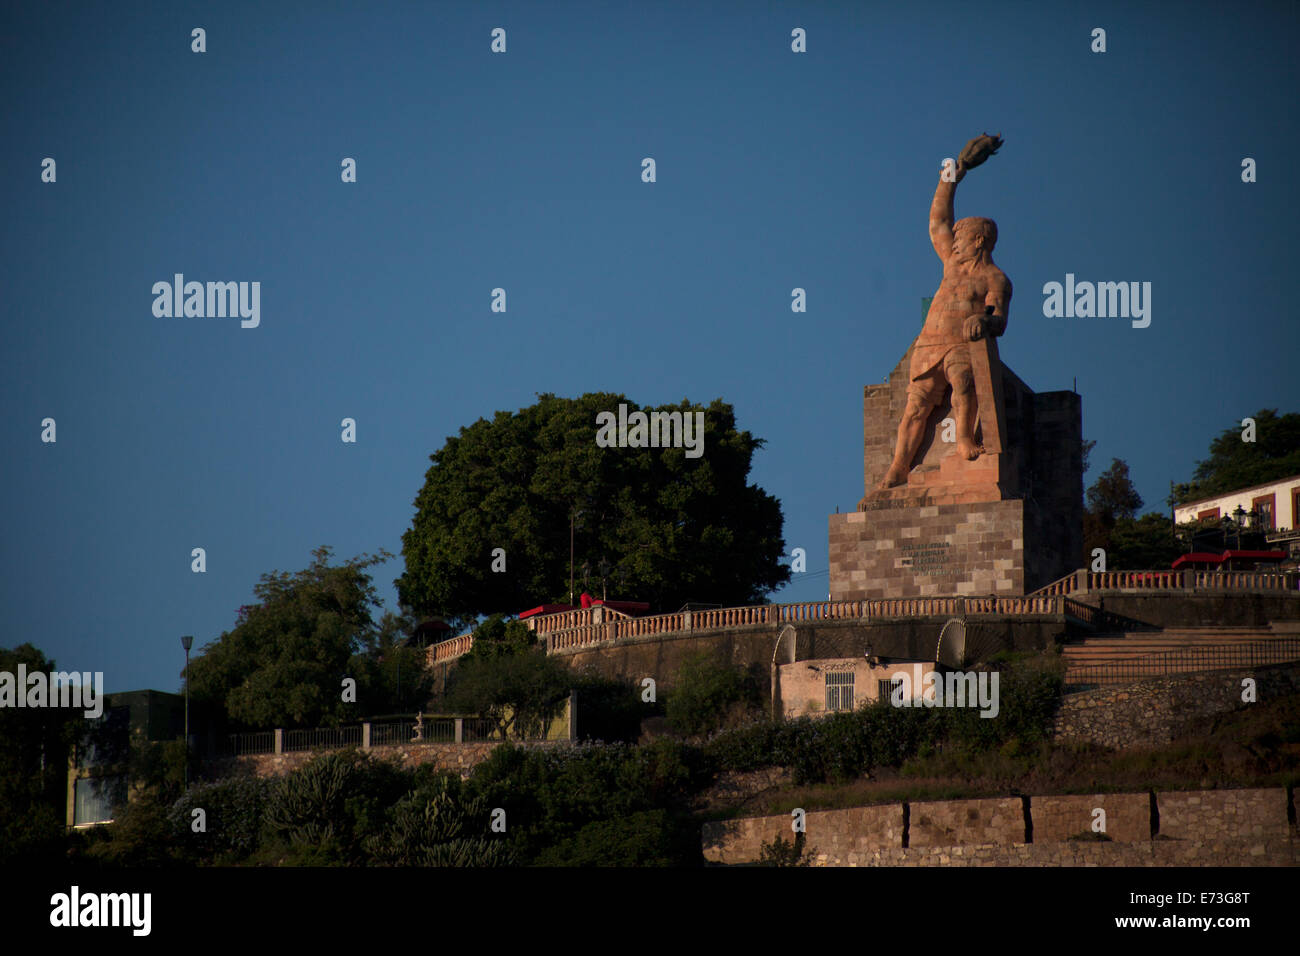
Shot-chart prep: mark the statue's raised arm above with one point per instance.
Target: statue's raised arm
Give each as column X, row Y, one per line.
column 973, row 154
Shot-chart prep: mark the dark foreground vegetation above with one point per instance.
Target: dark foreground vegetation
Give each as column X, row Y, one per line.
column 621, row 804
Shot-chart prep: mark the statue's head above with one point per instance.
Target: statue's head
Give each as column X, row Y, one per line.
column 972, row 236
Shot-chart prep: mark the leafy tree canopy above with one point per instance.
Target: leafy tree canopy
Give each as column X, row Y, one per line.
column 284, row 662
column 1112, row 495
column 509, row 679
column 666, row 528
column 34, row 744
column 1141, row 543
column 1234, row 463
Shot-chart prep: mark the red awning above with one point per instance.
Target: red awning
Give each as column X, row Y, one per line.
column 627, row 607
column 546, row 609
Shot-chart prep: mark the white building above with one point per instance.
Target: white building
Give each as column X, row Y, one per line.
column 1277, row 503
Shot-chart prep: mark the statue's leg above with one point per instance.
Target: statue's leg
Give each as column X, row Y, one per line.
column 964, row 404
column 911, row 431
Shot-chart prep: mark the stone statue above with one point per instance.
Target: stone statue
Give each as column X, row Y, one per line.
column 971, row 304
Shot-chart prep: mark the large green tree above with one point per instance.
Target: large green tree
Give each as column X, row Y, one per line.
column 284, row 661
column 657, row 525
column 1109, row 499
column 1235, row 463
column 508, row 678
column 34, row 746
column 1111, row 522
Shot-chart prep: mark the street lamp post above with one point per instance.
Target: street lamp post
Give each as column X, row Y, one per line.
column 187, row 642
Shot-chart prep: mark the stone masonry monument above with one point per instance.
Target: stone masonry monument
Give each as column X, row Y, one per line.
column 974, row 483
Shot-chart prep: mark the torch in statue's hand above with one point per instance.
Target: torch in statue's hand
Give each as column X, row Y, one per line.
column 978, row 150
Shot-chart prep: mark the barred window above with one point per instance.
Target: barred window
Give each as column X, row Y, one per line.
column 839, row 690
column 885, row 689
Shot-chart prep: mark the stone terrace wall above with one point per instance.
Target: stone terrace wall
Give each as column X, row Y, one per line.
column 1202, row 608
column 1202, row 828
column 1088, row 853
column 463, row 758
column 1230, row 814
column 1153, row 712
column 1128, row 816
column 962, row 822
column 661, row 656
column 845, row 833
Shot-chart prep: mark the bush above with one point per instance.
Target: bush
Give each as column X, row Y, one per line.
column 707, row 692
column 233, row 812
column 844, row 746
column 140, row 836
column 325, row 809
column 781, row 852
column 610, row 710
column 644, row 838
column 588, row 804
column 437, row 825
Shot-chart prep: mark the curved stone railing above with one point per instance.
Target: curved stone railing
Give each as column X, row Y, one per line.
column 1245, row 580
column 579, row 617
column 595, row 625
column 1166, row 580
column 451, row 648
column 769, row 614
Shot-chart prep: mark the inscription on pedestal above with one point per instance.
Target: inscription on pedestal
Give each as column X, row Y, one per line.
column 931, row 559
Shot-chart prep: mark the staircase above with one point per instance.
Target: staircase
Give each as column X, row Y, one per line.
column 1135, row 655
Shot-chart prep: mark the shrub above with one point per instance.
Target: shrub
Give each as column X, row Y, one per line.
column 707, row 691
column 437, row 825
column 610, row 710
column 781, row 852
column 233, row 812
column 327, row 807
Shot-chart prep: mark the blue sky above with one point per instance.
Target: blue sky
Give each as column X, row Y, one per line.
column 522, row 171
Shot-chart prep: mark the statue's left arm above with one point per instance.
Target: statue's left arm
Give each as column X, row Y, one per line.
column 996, row 304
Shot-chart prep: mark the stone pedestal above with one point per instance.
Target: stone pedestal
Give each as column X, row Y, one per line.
column 916, row 550
column 1008, row 522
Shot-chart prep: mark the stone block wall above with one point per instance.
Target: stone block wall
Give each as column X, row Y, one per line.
column 959, row 822
column 1057, row 819
column 1201, row 828
column 975, row 548
column 1054, row 522
column 1224, row 814
column 741, row 841
column 1153, row 712
column 462, row 758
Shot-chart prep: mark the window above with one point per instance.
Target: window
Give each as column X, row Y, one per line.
column 106, row 739
column 885, row 689
column 1264, row 508
column 1210, row 515
column 96, row 799
column 839, row 690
